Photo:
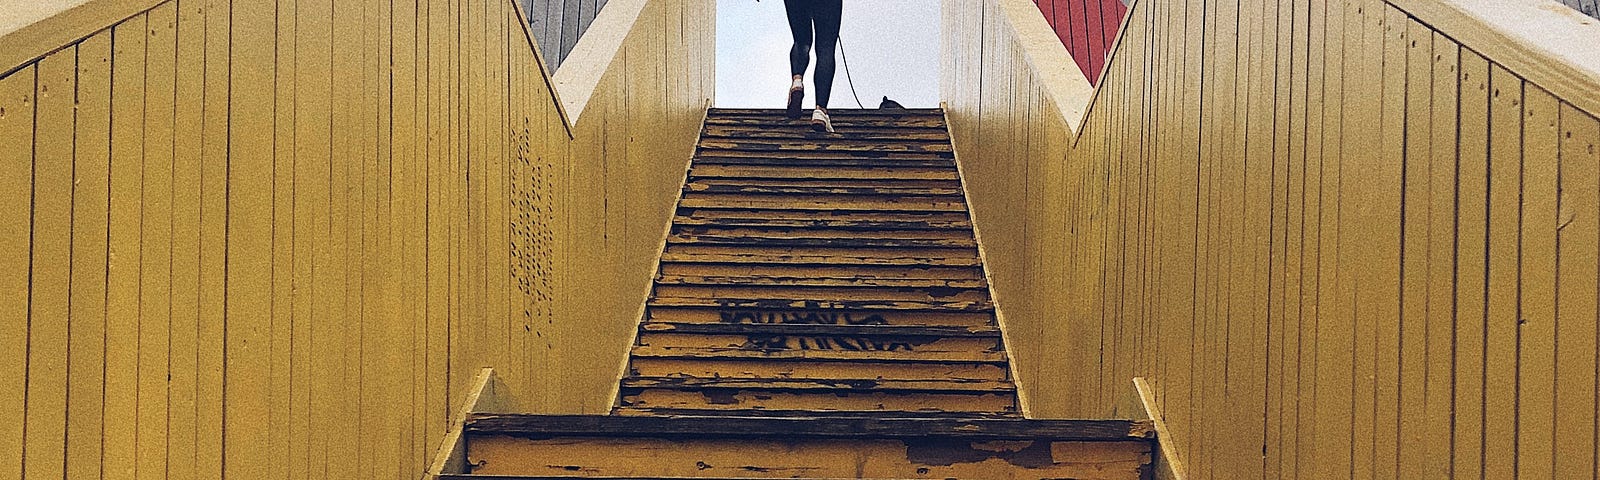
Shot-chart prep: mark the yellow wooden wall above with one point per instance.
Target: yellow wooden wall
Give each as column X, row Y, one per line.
column 1337, row 240
column 1006, row 113
column 276, row 240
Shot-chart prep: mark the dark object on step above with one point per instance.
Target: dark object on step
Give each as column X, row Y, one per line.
column 888, row 104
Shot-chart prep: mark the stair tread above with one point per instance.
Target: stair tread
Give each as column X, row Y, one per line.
column 985, row 331
column 990, row 357
column 809, row 281
column 819, row 259
column 811, row 241
column 872, row 385
column 817, row 425
column 959, row 306
column 822, row 223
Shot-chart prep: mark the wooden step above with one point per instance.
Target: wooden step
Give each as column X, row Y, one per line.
column 832, row 255
column 866, row 162
column 842, row 294
column 766, row 303
column 804, row 132
column 714, row 400
column 889, row 182
column 750, row 368
column 726, row 187
column 847, row 345
column 816, row 173
column 802, row 316
column 818, row 241
column 985, row 331
column 783, row 215
column 830, row 385
column 956, row 276
column 793, row 257
column 651, row 443
column 756, row 202
column 893, row 356
column 818, row 281
column 824, row 145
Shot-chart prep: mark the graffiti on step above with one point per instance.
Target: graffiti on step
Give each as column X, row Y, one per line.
column 813, row 342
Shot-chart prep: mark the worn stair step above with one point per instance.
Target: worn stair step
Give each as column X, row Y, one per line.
column 804, row 132
column 658, row 444
column 802, row 316
column 887, row 204
column 849, row 112
column 755, row 368
column 817, row 232
column 821, row 173
column 871, row 401
column 825, row 223
column 976, row 427
column 868, row 254
column 775, row 214
column 807, row 241
column 813, row 414
column 855, row 384
column 777, row 342
column 845, row 123
column 832, row 182
column 892, row 331
column 808, row 293
column 760, row 273
column 603, row 456
column 742, row 160
column 813, row 257
column 824, row 145
column 800, row 157
column 913, row 356
column 769, row 303
column 731, row 187
column 468, row 476
column 814, row 281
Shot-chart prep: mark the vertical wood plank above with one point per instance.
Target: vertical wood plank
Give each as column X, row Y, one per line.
column 1417, row 220
column 155, row 285
column 1536, row 363
column 16, row 198
column 1335, row 329
column 249, row 243
column 186, row 180
column 1505, row 187
column 50, row 265
column 213, row 241
column 289, row 371
column 90, row 185
column 1472, row 266
column 1577, row 272
column 1442, row 269
column 122, row 300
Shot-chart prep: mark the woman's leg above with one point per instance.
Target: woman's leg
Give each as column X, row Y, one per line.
column 800, row 26
column 825, row 14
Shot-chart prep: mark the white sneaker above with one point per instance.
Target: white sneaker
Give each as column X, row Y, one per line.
column 797, row 92
column 820, row 121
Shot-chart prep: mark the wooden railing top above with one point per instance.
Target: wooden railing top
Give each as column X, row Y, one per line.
column 1052, row 66
column 33, row 32
column 592, row 56
column 1544, row 42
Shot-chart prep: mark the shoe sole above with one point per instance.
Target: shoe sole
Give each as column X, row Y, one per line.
column 795, row 97
column 820, row 127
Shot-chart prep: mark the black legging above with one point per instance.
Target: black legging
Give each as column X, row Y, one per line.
column 824, row 15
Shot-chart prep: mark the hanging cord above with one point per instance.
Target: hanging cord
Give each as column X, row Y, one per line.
column 852, row 81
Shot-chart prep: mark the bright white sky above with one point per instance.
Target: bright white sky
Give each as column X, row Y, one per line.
column 893, row 49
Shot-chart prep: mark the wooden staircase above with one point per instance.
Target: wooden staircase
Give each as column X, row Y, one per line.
column 820, row 312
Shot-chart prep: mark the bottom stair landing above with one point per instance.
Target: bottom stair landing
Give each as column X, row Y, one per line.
column 514, row 446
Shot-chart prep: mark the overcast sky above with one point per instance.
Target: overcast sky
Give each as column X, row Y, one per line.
column 892, row 46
